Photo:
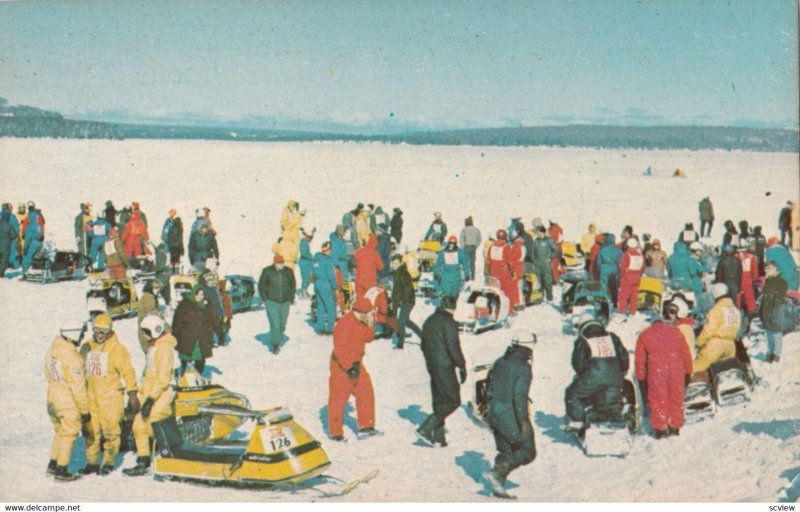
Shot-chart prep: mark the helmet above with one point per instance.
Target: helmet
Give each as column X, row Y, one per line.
column 696, row 246
column 73, row 330
column 678, row 306
column 523, row 337
column 452, row 240
column 437, row 215
column 31, row 204
column 153, row 326
column 632, row 243
column 102, row 323
column 719, row 290
column 501, row 234
column 727, row 248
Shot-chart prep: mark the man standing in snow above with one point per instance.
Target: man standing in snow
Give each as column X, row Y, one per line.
column 276, row 287
column 442, row 350
column 663, row 361
column 403, row 299
column 348, row 375
column 470, row 240
column 785, row 223
column 83, row 229
column 508, row 414
column 706, row 217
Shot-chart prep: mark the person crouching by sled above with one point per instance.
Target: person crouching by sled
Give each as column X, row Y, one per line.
column 349, row 376
column 108, row 366
column 716, row 341
column 67, row 400
column 156, row 392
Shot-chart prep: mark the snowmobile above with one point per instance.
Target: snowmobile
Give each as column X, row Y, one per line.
column 570, row 281
column 698, row 399
column 604, row 436
column 243, row 292
column 590, row 297
column 49, row 265
column 651, row 290
column 532, row 290
column 181, row 284
column 481, row 308
column 141, row 269
column 571, row 257
column 427, row 253
column 116, row 297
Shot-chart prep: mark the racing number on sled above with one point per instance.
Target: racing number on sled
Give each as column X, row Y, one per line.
column 276, row 438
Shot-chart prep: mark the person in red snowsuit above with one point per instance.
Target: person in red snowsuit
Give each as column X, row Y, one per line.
column 594, row 270
column 662, row 363
column 746, row 300
column 499, row 264
column 517, row 250
column 349, row 376
column 380, row 308
column 557, row 234
column 135, row 232
column 631, row 267
column 368, row 263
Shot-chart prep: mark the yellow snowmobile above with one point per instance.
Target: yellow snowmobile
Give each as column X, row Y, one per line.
column 651, row 290
column 571, row 257
column 532, row 291
column 194, row 392
column 181, row 284
column 115, row 297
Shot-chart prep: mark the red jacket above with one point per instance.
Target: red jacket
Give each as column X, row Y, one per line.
column 377, row 296
column 749, row 269
column 517, row 252
column 593, row 268
column 368, row 263
column 499, row 261
column 631, row 266
column 349, row 340
column 556, row 233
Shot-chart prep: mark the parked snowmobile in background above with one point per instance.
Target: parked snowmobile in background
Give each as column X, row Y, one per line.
column 482, row 307
column 589, row 297
column 427, row 253
column 244, row 293
column 571, row 258
column 50, row 265
column 531, row 290
column 651, row 291
column 141, row 268
column 116, row 297
column 611, row 436
column 181, row 284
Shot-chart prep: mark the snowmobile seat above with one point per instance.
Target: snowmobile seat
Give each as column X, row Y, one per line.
column 730, row 381
column 170, row 443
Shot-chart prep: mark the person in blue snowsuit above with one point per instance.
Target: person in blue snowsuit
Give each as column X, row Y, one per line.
column 784, row 261
column 13, row 260
column 385, row 250
column 608, row 260
column 100, row 231
column 451, row 266
column 339, row 255
column 202, row 245
column 324, row 290
column 685, row 271
column 34, row 236
column 437, row 230
column 306, row 262
column 8, row 234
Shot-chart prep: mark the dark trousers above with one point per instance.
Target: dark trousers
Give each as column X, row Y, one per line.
column 469, row 252
column 606, row 401
column 445, row 392
column 512, row 455
column 786, row 233
column 403, row 321
column 703, row 224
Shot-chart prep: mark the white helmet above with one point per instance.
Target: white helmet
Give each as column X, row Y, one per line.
column 632, row 243
column 73, row 330
column 153, row 326
column 719, row 290
column 523, row 337
column 696, row 246
column 681, row 306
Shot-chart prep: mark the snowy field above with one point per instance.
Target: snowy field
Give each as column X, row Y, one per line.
column 746, row 453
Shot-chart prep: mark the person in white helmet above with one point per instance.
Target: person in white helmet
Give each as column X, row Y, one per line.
column 508, row 413
column 716, row 341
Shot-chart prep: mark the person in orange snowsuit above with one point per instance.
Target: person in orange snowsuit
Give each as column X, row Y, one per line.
column 135, row 232
column 348, row 375
column 499, row 264
column 746, row 301
column 557, row 234
column 368, row 263
column 517, row 250
column 631, row 267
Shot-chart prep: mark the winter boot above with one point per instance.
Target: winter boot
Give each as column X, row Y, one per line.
column 496, row 478
column 89, row 469
column 141, row 468
column 427, row 430
column 673, row 431
column 51, row 467
column 62, row 475
column 439, row 437
column 368, row 432
column 660, row 434
column 106, row 469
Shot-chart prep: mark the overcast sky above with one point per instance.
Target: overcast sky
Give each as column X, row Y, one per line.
column 428, row 63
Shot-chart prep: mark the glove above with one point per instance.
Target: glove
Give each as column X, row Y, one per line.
column 86, row 417
column 354, row 370
column 462, row 375
column 133, row 402
column 147, row 407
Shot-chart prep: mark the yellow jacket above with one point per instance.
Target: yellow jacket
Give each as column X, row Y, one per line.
column 160, row 363
column 362, row 228
column 66, row 383
column 105, row 364
column 715, row 342
column 688, row 333
column 588, row 239
column 290, row 224
column 288, row 250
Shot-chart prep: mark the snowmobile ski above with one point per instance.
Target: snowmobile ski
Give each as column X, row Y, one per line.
column 345, row 489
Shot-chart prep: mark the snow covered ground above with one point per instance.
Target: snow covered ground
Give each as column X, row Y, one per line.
column 750, row 452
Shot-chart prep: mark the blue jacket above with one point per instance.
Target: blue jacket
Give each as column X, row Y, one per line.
column 437, row 231
column 100, row 229
column 786, row 266
column 34, row 229
column 608, row 259
column 324, row 276
column 305, row 251
column 683, row 270
column 449, row 269
column 165, row 230
column 338, row 252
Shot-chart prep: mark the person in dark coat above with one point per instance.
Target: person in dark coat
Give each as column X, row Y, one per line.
column 202, row 245
column 600, row 362
column 83, row 229
column 508, row 414
column 276, row 287
column 761, row 247
column 384, row 249
column 193, row 326
column 773, row 306
column 731, row 236
column 729, row 270
column 785, row 223
column 706, row 216
column 403, row 300
column 396, row 225
column 175, row 244
column 544, row 250
column 111, row 214
column 437, row 230
column 442, row 350
column 663, row 361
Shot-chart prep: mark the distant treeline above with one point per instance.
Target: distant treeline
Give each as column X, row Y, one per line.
column 24, row 121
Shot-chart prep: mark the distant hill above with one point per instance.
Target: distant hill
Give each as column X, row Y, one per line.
column 25, row 121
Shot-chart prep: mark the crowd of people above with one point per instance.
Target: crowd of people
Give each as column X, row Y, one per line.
column 361, row 280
